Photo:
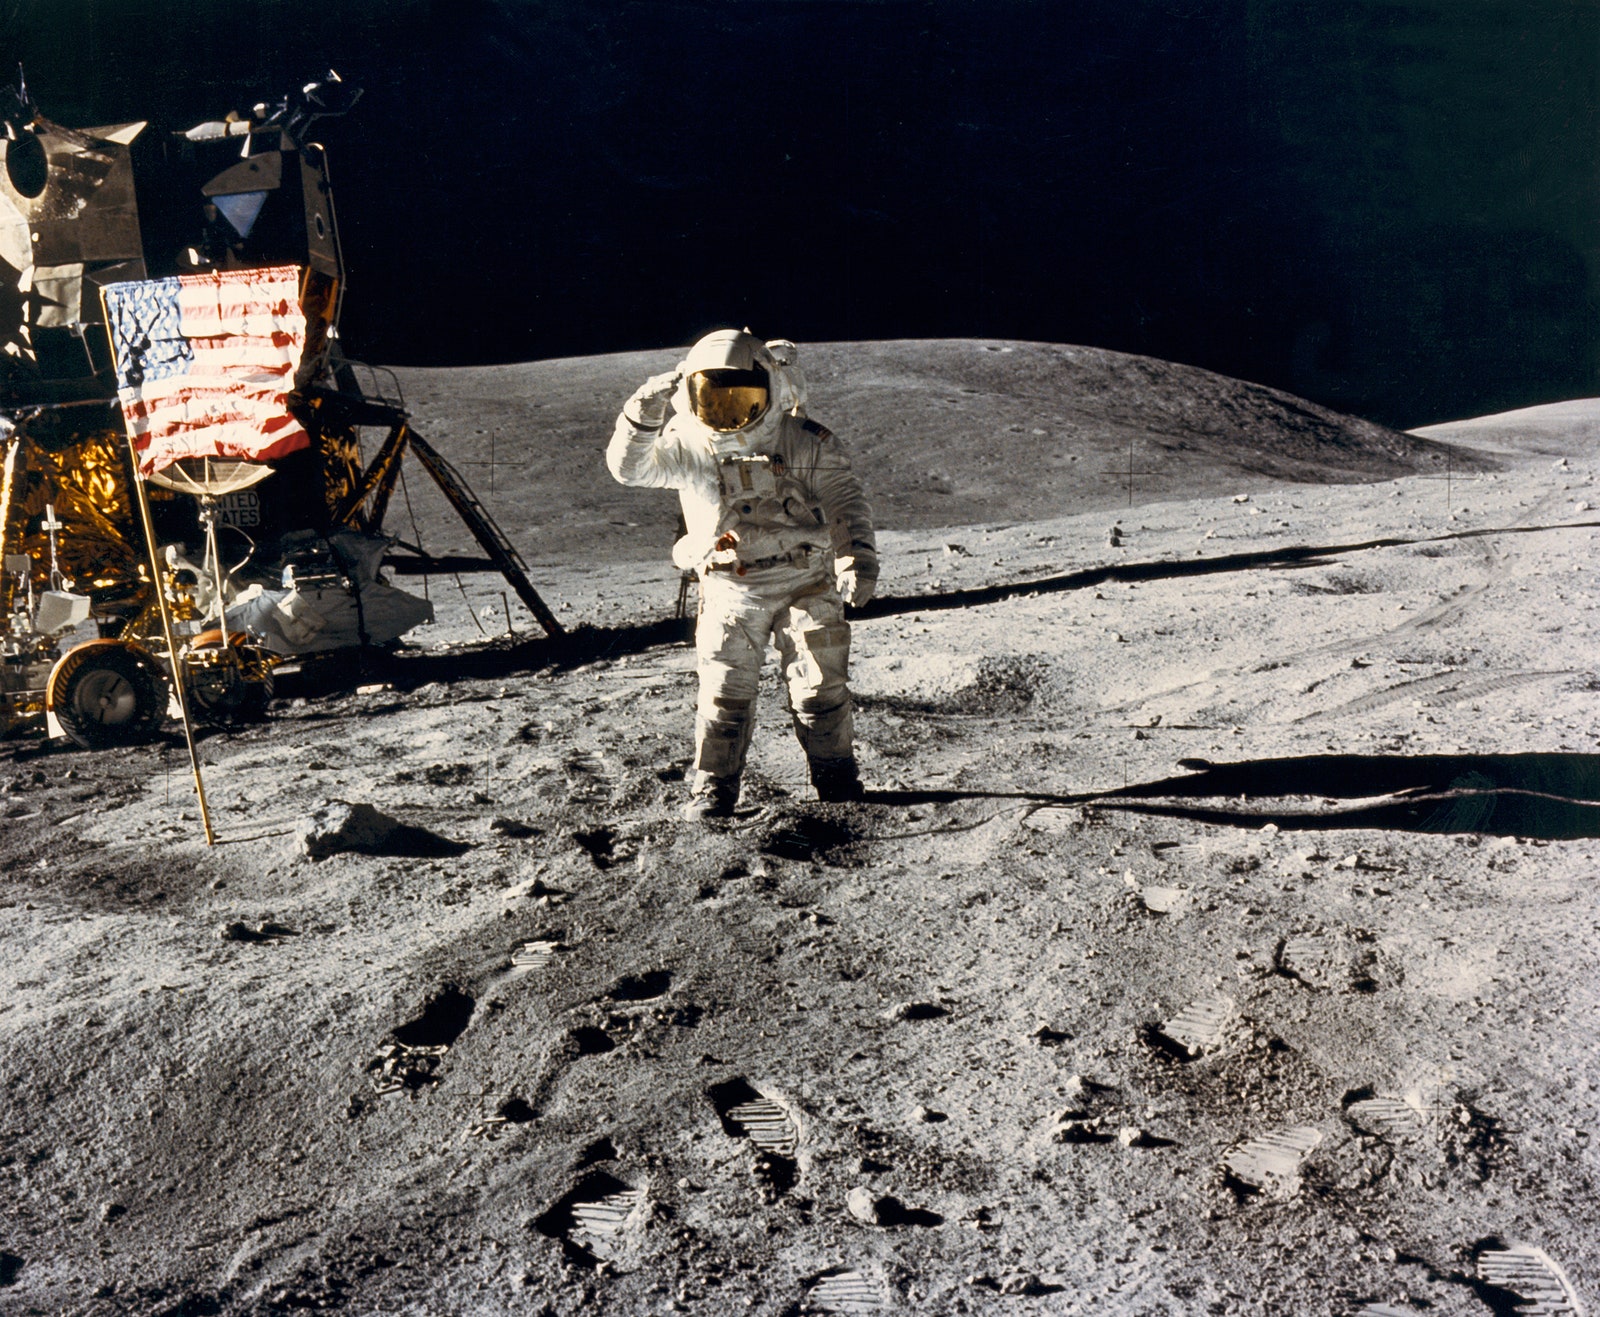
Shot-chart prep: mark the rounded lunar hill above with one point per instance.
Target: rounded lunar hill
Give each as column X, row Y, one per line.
column 943, row 433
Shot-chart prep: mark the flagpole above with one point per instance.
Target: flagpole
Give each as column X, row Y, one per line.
column 173, row 657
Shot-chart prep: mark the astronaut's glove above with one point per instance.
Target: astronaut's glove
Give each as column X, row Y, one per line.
column 648, row 407
column 856, row 578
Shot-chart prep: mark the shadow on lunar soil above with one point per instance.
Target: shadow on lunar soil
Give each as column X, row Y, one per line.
column 1553, row 797
column 1171, row 569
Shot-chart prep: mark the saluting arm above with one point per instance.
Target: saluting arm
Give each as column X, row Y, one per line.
column 632, row 456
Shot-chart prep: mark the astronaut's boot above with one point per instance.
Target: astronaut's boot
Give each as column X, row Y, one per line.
column 722, row 738
column 836, row 779
column 711, row 797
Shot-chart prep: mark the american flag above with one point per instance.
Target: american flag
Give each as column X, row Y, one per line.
column 205, row 363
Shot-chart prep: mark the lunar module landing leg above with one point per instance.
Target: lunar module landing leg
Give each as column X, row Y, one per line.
column 363, row 507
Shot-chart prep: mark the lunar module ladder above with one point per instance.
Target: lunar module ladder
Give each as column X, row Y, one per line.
column 378, row 481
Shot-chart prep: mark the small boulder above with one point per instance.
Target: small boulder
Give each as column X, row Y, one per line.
column 862, row 1204
column 342, row 826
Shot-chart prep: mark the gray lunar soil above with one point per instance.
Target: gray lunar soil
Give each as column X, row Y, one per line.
column 1218, row 936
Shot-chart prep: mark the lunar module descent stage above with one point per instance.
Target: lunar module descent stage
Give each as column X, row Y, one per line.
column 254, row 509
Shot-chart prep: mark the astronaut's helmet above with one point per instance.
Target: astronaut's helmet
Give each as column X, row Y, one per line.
column 729, row 379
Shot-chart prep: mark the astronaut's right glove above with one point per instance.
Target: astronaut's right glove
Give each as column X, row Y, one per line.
column 648, row 407
column 856, row 578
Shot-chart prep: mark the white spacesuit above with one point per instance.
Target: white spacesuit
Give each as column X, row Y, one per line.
column 781, row 538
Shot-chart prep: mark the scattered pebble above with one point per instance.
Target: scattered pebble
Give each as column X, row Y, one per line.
column 1079, row 1088
column 886, row 1210
column 262, row 931
column 1079, row 1127
column 536, row 888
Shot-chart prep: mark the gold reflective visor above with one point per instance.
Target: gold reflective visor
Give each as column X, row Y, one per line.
column 728, row 399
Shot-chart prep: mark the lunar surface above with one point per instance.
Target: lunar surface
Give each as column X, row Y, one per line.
column 1219, row 934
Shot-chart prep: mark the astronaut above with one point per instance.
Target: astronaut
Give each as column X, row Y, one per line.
column 780, row 537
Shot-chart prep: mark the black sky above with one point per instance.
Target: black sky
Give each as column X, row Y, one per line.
column 1391, row 208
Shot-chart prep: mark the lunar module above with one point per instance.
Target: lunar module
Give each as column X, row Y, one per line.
column 185, row 504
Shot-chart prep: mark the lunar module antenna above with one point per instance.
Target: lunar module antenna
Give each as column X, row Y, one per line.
column 16, row 106
column 328, row 96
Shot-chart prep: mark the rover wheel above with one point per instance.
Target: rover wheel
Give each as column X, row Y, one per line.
column 227, row 689
column 107, row 695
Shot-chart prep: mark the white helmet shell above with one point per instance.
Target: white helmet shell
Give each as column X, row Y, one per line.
column 728, row 349
column 739, row 349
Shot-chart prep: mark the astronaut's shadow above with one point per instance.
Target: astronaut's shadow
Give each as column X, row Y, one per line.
column 1549, row 796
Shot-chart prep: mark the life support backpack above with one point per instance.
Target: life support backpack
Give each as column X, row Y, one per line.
column 789, row 381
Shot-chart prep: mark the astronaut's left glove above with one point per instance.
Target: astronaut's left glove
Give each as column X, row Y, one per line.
column 856, row 578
